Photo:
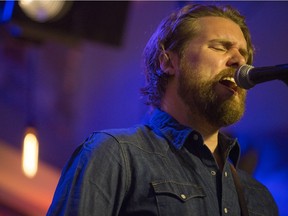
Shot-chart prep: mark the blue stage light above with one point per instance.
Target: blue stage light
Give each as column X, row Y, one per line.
column 6, row 10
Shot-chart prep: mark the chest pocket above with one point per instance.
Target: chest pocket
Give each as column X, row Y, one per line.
column 175, row 198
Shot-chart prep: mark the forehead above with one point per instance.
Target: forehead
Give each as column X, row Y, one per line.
column 211, row 28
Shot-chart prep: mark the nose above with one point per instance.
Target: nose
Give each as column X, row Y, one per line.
column 236, row 59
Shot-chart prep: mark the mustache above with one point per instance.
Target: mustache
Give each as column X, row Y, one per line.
column 229, row 72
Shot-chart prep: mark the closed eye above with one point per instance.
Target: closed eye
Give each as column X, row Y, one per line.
column 218, row 48
column 219, row 45
column 224, row 46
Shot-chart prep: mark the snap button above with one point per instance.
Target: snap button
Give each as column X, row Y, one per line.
column 225, row 174
column 225, row 210
column 195, row 137
column 183, row 196
column 213, row 172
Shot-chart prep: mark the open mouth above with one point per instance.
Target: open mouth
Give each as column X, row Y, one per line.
column 230, row 83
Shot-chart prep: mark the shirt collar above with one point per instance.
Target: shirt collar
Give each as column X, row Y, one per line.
column 166, row 126
column 169, row 128
column 231, row 147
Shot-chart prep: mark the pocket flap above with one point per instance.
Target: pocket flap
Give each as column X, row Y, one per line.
column 183, row 191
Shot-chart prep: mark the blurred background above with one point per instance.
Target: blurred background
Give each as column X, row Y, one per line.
column 69, row 68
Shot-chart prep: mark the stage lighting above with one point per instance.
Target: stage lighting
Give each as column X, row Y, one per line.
column 71, row 21
column 44, row 11
column 6, row 10
column 30, row 152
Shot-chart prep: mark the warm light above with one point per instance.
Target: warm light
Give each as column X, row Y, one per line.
column 44, row 10
column 30, row 153
column 25, row 2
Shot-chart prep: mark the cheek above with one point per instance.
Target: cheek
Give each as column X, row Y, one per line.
column 205, row 65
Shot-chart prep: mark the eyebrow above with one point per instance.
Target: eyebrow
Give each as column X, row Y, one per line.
column 228, row 44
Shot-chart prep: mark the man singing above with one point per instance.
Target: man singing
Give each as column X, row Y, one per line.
column 177, row 163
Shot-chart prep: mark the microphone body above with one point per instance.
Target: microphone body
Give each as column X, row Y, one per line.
column 248, row 76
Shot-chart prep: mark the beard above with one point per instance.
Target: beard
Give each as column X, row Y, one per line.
column 200, row 96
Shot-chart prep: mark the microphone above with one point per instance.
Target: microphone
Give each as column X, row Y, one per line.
column 248, row 76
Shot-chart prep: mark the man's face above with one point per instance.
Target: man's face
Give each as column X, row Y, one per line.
column 207, row 69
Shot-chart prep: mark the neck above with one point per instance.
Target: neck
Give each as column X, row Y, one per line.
column 174, row 105
column 194, row 120
column 207, row 130
column 199, row 123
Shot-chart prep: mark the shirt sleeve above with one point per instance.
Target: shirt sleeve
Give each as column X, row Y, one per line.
column 93, row 182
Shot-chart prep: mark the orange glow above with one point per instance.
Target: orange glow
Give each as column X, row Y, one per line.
column 30, row 153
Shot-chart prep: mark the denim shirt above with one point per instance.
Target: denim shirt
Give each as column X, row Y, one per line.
column 159, row 168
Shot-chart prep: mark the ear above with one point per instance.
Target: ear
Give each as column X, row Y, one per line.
column 167, row 62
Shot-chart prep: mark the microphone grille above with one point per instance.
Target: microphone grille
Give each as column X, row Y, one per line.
column 242, row 78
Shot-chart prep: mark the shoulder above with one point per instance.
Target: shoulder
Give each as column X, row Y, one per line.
column 120, row 135
column 111, row 138
column 125, row 141
column 250, row 182
column 258, row 195
column 126, row 134
column 103, row 148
